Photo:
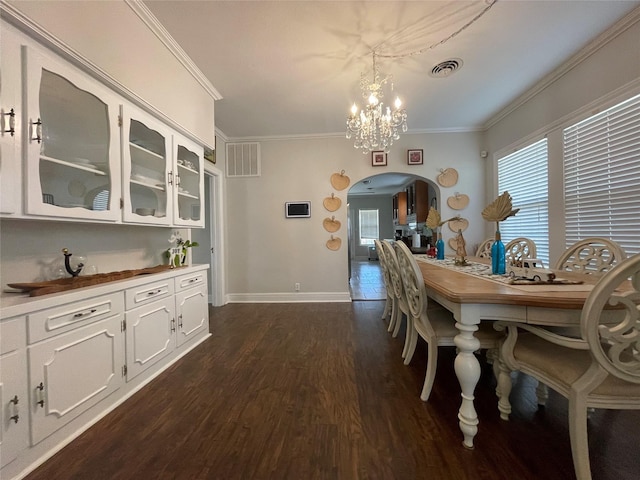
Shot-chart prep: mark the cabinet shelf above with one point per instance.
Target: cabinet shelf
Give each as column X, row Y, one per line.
column 191, row 170
column 86, row 168
column 148, row 185
column 187, row 195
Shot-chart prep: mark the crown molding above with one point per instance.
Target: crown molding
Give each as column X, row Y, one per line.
column 168, row 41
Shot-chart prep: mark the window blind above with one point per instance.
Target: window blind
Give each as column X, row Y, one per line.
column 524, row 174
column 602, row 176
column 368, row 226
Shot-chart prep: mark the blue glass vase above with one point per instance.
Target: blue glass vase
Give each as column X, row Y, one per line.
column 440, row 248
column 498, row 266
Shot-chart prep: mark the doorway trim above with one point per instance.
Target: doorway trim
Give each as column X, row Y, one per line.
column 215, row 220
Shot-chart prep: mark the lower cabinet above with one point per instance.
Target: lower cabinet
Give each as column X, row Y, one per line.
column 14, row 415
column 150, row 335
column 72, row 372
column 64, row 360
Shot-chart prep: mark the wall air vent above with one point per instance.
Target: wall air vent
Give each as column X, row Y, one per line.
column 446, row 68
column 243, row 159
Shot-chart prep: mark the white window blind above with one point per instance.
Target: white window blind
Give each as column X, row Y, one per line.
column 524, row 174
column 368, row 226
column 602, row 176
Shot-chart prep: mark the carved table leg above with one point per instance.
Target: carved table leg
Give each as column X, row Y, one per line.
column 467, row 370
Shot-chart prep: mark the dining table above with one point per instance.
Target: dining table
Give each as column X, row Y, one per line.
column 473, row 295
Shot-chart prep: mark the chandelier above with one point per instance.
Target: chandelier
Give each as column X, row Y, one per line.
column 376, row 127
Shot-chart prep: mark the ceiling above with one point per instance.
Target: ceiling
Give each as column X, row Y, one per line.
column 292, row 68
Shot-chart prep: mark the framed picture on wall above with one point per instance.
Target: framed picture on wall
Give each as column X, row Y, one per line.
column 414, row 157
column 378, row 158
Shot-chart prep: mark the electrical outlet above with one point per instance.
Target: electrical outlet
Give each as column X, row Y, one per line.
column 297, row 287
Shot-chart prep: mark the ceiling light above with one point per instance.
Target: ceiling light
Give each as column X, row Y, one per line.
column 376, row 127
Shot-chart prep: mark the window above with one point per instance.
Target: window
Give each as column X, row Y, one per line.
column 602, row 176
column 368, row 226
column 524, row 174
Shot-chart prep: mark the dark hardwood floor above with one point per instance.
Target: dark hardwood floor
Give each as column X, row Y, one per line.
column 319, row 391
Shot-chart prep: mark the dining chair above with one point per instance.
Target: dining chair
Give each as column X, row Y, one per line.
column 594, row 255
column 399, row 307
column 601, row 369
column 436, row 326
column 519, row 248
column 386, row 314
column 484, row 249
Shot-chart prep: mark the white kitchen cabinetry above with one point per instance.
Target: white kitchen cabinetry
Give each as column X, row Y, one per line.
column 72, row 142
column 70, row 372
column 14, row 415
column 10, row 131
column 162, row 173
column 151, row 325
column 191, row 306
column 188, row 182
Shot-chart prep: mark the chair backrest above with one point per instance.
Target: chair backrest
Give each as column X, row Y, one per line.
column 614, row 334
column 414, row 289
column 518, row 249
column 383, row 266
column 484, row 250
column 591, row 255
column 394, row 269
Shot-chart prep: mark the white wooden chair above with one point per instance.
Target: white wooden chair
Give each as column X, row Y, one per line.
column 601, row 369
column 388, row 306
column 519, row 248
column 399, row 306
column 593, row 255
column 435, row 325
column 484, row 249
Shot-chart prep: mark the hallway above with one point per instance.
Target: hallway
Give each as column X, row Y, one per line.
column 366, row 281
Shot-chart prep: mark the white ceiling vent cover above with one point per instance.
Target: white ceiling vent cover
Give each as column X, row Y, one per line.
column 446, row 68
column 243, row 159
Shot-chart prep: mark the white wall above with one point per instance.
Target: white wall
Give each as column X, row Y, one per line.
column 602, row 78
column 267, row 253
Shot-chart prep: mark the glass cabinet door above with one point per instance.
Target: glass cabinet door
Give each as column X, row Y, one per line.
column 146, row 174
column 189, row 183
column 73, row 156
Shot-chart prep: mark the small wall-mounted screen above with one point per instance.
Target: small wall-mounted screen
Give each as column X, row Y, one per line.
column 297, row 209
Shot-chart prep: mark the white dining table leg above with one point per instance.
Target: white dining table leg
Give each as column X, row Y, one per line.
column 467, row 370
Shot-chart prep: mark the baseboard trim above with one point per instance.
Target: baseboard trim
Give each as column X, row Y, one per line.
column 300, row 297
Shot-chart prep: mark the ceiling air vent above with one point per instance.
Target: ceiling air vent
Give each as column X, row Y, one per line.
column 446, row 68
column 243, row 159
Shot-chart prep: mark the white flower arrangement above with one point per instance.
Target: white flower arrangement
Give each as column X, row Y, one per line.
column 177, row 254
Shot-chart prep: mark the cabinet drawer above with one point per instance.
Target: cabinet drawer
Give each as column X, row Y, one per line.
column 12, row 334
column 190, row 280
column 147, row 293
column 53, row 321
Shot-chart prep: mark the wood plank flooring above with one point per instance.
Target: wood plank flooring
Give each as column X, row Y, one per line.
column 319, row 391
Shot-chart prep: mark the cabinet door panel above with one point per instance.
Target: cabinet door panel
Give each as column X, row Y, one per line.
column 193, row 313
column 14, row 414
column 72, row 372
column 189, row 185
column 147, row 174
column 72, row 147
column 150, row 335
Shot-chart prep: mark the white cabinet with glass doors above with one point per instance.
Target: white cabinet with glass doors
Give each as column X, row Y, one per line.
column 163, row 182
column 73, row 142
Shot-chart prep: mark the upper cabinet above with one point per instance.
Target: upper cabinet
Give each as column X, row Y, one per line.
column 72, row 143
column 162, row 173
column 74, row 149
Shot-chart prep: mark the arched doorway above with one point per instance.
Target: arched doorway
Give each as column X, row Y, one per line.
column 379, row 198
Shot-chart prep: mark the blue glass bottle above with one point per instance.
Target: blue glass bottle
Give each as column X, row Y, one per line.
column 498, row 266
column 440, row 247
